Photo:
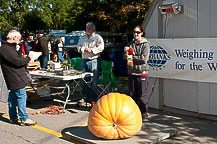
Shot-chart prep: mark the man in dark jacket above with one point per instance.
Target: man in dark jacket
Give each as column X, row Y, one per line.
column 13, row 68
column 42, row 46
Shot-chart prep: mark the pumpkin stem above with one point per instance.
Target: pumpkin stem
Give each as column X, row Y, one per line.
column 114, row 125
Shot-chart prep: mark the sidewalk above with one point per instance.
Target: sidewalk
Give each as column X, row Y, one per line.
column 191, row 130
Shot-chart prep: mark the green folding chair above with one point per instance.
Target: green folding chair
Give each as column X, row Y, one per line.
column 107, row 81
column 76, row 63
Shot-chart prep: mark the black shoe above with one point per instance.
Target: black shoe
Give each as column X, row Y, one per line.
column 14, row 121
column 145, row 115
column 28, row 102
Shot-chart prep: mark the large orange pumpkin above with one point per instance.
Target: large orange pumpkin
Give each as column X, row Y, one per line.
column 115, row 116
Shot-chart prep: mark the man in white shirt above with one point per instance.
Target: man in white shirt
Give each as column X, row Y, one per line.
column 90, row 46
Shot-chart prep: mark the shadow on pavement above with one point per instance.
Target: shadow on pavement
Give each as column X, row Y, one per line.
column 191, row 129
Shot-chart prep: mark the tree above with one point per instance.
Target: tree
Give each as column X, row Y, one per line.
column 12, row 12
column 108, row 15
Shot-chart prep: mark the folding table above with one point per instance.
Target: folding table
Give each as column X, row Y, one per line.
column 76, row 78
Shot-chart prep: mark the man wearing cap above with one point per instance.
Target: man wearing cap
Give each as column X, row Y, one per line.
column 28, row 44
column 42, row 46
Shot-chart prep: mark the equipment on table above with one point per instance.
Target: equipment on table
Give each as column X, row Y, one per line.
column 33, row 66
column 72, row 81
column 67, row 72
column 55, row 65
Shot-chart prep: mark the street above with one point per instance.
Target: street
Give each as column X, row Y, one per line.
column 50, row 128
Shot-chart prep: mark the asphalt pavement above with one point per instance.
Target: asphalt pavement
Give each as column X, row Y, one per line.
column 50, row 128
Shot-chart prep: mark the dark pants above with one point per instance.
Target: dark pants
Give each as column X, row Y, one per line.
column 43, row 61
column 138, row 89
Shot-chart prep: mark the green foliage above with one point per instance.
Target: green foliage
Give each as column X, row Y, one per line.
column 108, row 15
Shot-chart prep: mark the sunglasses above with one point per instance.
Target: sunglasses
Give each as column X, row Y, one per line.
column 138, row 32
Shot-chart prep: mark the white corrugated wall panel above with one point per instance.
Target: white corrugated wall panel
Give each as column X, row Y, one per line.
column 191, row 10
column 213, row 98
column 184, row 95
column 176, row 94
column 203, row 18
column 203, row 98
column 155, row 23
column 167, row 92
column 182, row 21
column 193, row 96
column 198, row 21
column 213, row 18
column 151, row 29
column 171, row 93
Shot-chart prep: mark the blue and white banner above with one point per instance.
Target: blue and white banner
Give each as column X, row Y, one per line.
column 193, row 59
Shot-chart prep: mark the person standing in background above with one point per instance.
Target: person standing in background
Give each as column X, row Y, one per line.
column 13, row 68
column 50, row 51
column 42, row 46
column 90, row 46
column 28, row 44
column 59, row 46
column 137, row 54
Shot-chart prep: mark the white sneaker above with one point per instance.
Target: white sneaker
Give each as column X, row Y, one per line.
column 81, row 101
column 28, row 122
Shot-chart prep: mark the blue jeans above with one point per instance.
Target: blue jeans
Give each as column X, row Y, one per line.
column 60, row 56
column 93, row 66
column 49, row 56
column 43, row 61
column 17, row 98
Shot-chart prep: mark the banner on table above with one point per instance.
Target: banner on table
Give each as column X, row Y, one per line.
column 193, row 59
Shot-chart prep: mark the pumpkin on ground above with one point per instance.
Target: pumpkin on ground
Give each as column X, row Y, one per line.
column 115, row 116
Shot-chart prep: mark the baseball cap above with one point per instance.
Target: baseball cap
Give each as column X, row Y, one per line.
column 40, row 32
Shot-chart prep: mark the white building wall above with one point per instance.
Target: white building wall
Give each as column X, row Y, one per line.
column 199, row 20
column 152, row 27
column 190, row 24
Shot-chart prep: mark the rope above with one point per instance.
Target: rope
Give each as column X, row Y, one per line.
column 52, row 110
column 152, row 90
